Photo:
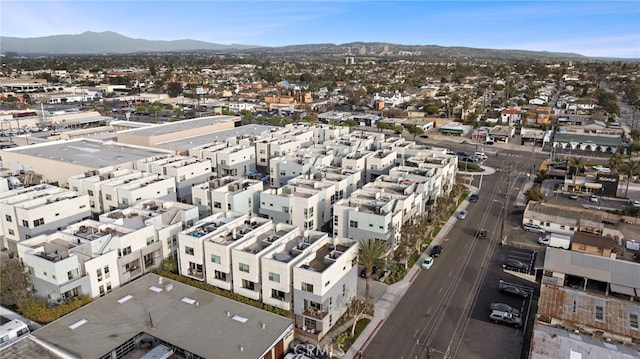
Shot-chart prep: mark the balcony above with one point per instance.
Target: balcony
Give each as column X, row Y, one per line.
column 314, row 313
column 196, row 274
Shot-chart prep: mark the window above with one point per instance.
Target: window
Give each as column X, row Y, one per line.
column 633, row 320
column 278, row 294
column 197, row 201
column 220, row 275
column 38, row 222
column 101, row 290
column 247, row 284
column 126, row 251
column 215, row 259
column 217, row 205
column 307, row 287
column 188, row 250
column 90, row 192
column 274, row 277
column 99, row 274
column 7, row 217
column 106, row 272
column 285, row 209
column 108, row 287
column 25, row 223
column 150, row 240
column 12, row 232
column 599, row 313
column 243, row 267
column 353, row 224
column 107, row 197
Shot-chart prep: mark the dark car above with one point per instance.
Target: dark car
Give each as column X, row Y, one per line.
column 513, row 290
column 482, row 234
column 462, row 154
column 363, row 272
column 504, row 308
column 436, row 250
column 474, row 197
column 515, row 264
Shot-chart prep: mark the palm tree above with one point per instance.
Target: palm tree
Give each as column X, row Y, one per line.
column 630, row 169
column 577, row 163
column 616, row 162
column 372, row 254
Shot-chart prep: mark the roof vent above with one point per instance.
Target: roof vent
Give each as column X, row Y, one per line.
column 264, row 326
column 228, row 313
column 241, row 348
column 168, row 287
column 159, row 280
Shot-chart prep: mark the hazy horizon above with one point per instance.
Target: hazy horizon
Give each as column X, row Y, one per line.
column 590, row 28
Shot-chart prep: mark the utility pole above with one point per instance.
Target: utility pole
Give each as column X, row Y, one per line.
column 503, row 214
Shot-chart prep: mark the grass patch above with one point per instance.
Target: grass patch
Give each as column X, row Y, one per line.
column 464, row 195
column 435, row 232
column 345, row 340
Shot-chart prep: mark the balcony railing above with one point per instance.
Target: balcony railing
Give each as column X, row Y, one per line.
column 314, row 313
column 196, row 274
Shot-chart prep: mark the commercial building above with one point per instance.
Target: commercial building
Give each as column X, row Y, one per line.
column 162, row 317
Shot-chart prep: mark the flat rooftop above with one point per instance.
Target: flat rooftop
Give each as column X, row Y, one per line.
column 88, row 153
column 220, row 136
column 195, row 320
column 180, row 126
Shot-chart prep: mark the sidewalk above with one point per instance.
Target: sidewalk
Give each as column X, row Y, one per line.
column 387, row 303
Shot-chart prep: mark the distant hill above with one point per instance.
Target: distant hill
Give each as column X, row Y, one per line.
column 108, row 42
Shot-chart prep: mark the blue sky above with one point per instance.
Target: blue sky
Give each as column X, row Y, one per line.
column 591, row 28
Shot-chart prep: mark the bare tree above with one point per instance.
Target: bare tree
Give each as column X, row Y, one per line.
column 16, row 284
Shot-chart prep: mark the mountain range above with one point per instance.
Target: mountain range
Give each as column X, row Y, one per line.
column 108, row 42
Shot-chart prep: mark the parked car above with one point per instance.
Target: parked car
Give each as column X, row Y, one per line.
column 515, row 264
column 635, row 203
column 427, row 262
column 462, row 154
column 462, row 214
column 504, row 308
column 481, row 234
column 474, row 197
column 533, row 228
column 593, row 198
column 506, row 318
column 573, row 195
column 435, row 251
column 513, row 290
column 544, row 240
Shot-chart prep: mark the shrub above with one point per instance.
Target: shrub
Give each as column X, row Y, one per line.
column 39, row 310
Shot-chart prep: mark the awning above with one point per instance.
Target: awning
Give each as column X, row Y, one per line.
column 622, row 289
column 593, row 185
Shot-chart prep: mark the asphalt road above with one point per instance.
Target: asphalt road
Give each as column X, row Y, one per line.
column 446, row 307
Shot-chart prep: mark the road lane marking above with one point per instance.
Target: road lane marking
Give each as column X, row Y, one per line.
column 450, row 273
column 440, row 291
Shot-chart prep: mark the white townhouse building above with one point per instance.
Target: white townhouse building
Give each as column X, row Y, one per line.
column 138, row 249
column 380, row 163
column 324, row 284
column 187, row 171
column 278, row 263
column 205, row 248
column 300, row 203
column 321, row 132
column 267, row 149
column 119, row 188
column 167, row 217
column 41, row 209
column 246, row 258
column 409, row 199
column 357, row 161
column 291, row 132
column 228, row 194
column 367, row 214
column 444, row 165
column 283, row 169
column 229, row 158
column 407, row 149
column 62, row 265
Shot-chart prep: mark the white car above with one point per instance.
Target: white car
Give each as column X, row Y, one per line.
column 480, row 155
column 427, row 262
column 593, row 198
column 462, row 214
column 533, row 228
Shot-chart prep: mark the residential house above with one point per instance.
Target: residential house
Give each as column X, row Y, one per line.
column 228, row 194
column 187, row 171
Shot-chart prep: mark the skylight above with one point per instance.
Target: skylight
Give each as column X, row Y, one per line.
column 155, row 289
column 239, row 318
column 125, row 298
column 188, row 300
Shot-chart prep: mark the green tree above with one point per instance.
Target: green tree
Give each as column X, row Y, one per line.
column 372, row 253
column 630, row 169
column 534, row 194
column 174, row 89
column 577, row 163
column 398, row 129
column 382, row 126
column 616, row 162
column 16, row 284
column 349, row 123
column 415, row 131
